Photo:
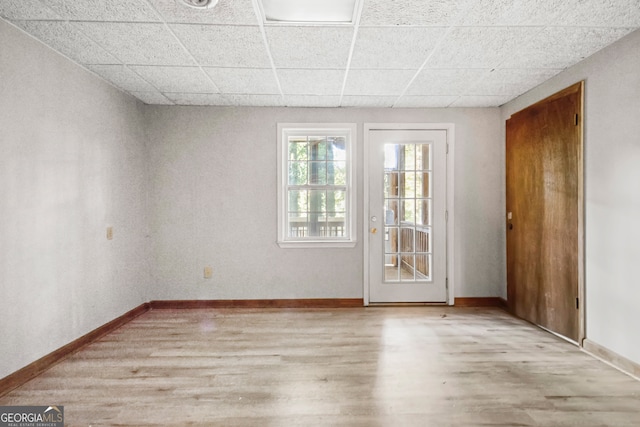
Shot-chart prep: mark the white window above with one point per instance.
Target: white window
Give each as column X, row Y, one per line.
column 316, row 189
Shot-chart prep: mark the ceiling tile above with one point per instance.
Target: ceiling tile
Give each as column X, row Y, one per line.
column 68, row 40
column 479, row 47
column 26, row 10
column 260, row 81
column 104, row 10
column 256, row 100
column 412, row 12
column 561, row 47
column 224, row 46
column 481, row 101
column 225, row 12
column 511, row 81
column 197, row 98
column 311, row 82
column 177, row 79
column 309, row 46
column 600, row 13
column 153, row 98
column 311, row 101
column 139, row 44
column 424, row 101
column 445, row 81
column 368, row 101
column 218, row 99
column 394, row 48
column 377, row 82
column 511, row 13
column 122, row 77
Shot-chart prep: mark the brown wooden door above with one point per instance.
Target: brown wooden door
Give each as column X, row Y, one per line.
column 543, row 174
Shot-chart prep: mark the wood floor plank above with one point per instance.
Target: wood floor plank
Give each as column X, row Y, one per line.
column 387, row 366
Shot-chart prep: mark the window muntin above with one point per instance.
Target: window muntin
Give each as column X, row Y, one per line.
column 316, row 188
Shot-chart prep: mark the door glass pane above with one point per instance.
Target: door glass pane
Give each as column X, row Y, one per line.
column 408, row 180
column 391, row 212
column 408, row 157
column 391, row 240
column 422, row 184
column 407, row 215
column 423, row 266
column 391, row 184
column 423, row 239
column 391, row 270
column 391, row 157
column 423, row 212
column 423, row 157
column 407, row 261
column 408, row 210
column 406, row 239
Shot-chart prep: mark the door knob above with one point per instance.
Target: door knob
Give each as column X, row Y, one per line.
column 374, row 230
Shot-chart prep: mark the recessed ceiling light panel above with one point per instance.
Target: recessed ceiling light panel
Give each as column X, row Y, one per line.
column 308, row 11
column 200, row 4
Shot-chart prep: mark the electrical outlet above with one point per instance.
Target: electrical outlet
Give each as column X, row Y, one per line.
column 208, row 272
column 109, row 233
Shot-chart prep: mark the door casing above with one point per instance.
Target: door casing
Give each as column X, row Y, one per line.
column 450, row 252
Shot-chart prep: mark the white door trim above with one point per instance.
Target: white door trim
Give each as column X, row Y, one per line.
column 450, row 129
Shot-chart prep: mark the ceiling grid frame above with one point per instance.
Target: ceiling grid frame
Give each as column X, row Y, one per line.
column 77, row 30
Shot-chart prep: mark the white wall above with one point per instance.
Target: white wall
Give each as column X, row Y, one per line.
column 213, row 202
column 72, row 162
column 612, row 195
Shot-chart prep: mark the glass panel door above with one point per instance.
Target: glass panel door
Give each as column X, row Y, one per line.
column 407, row 201
column 407, row 196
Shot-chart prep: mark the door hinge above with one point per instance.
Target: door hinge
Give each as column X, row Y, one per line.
column 447, row 148
column 446, row 216
column 577, row 122
column 577, row 303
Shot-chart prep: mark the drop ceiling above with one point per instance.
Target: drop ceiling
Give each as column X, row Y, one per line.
column 402, row 53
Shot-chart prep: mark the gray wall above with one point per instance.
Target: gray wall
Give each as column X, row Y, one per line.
column 213, row 202
column 612, row 189
column 72, row 163
column 183, row 187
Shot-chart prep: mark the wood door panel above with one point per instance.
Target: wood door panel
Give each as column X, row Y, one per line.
column 543, row 155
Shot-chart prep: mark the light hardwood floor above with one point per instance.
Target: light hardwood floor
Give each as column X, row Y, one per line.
column 409, row 366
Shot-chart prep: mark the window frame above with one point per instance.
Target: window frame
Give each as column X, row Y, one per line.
column 349, row 130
